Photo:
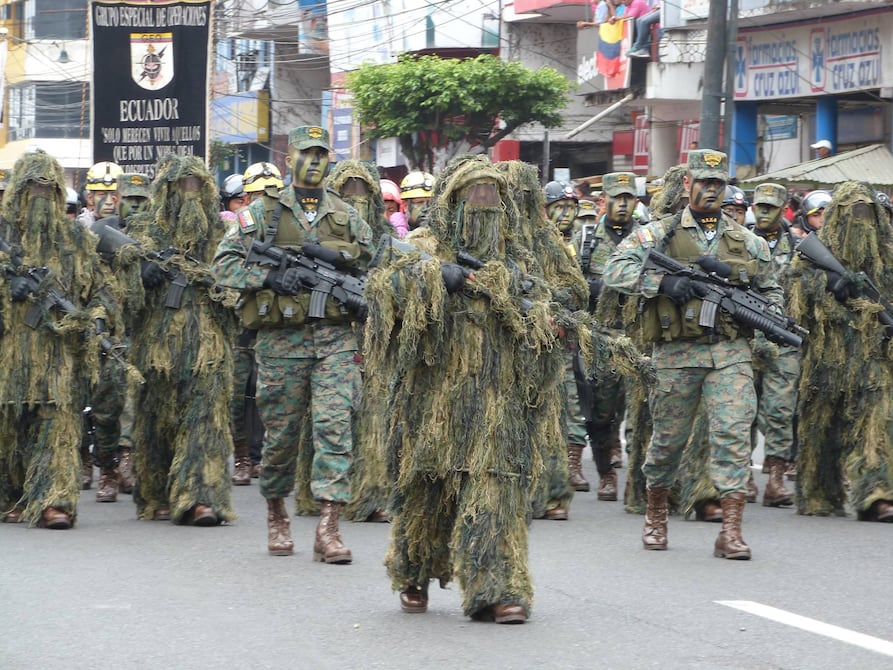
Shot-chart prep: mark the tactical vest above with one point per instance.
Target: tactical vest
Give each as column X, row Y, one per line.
column 665, row 321
column 266, row 309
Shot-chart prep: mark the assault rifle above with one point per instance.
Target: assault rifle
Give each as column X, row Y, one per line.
column 54, row 299
column 812, row 249
column 470, row 264
column 111, row 239
column 325, row 272
column 745, row 306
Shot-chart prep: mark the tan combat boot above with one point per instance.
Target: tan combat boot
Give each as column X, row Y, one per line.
column 775, row 494
column 125, row 470
column 729, row 543
column 278, row 535
column 242, row 464
column 654, row 534
column 607, row 485
column 328, row 547
column 575, row 467
column 107, row 489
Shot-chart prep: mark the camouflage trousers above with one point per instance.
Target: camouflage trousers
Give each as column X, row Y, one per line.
column 730, row 405
column 576, row 421
column 776, row 389
column 286, row 388
column 107, row 402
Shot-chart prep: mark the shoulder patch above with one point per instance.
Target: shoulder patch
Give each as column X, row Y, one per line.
column 247, row 224
column 645, row 236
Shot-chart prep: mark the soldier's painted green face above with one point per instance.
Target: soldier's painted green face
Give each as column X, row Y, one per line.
column 768, row 217
column 620, row 208
column 132, row 204
column 105, row 203
column 309, row 166
column 705, row 195
column 562, row 213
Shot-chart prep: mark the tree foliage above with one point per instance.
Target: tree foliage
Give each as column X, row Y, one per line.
column 441, row 107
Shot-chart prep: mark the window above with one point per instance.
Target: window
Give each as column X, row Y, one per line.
column 60, row 19
column 49, row 109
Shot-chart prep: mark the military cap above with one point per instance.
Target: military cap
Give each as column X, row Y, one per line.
column 304, row 137
column 134, row 184
column 708, row 164
column 586, row 208
column 617, row 183
column 4, row 178
column 770, row 194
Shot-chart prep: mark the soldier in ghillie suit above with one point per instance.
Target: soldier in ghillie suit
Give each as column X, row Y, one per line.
column 461, row 452
column 695, row 362
column 847, row 377
column 358, row 184
column 44, row 366
column 307, row 365
column 183, row 348
column 551, row 260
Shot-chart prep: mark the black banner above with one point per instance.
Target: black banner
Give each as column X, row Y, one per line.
column 150, row 83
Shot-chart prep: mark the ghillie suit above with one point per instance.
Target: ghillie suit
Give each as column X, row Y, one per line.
column 370, row 205
column 368, row 475
column 845, row 388
column 462, row 370
column 45, row 370
column 668, row 200
column 183, row 426
column 543, row 253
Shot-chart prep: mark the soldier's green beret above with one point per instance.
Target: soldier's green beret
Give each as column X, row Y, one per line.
column 304, row 137
column 617, row 183
column 708, row 164
column 134, row 184
column 770, row 194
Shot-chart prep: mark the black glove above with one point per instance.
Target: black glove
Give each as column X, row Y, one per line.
column 714, row 265
column 839, row 285
column 151, row 274
column 678, row 289
column 284, row 282
column 19, row 288
column 595, row 288
column 453, row 277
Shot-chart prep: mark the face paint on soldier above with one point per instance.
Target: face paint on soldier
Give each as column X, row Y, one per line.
column 308, row 167
column 562, row 213
column 131, row 205
column 415, row 207
column 738, row 213
column 105, row 203
column 768, row 217
column 704, row 195
column 619, row 209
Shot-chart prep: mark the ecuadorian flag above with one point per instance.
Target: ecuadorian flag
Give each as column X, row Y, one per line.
column 610, row 40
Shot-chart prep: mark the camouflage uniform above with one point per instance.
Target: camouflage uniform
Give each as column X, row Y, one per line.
column 307, row 365
column 691, row 362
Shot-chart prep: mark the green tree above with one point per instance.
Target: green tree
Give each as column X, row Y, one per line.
column 439, row 107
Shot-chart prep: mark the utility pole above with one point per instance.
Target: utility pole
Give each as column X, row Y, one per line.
column 731, row 52
column 714, row 67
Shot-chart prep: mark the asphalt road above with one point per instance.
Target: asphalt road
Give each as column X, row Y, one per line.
column 119, row 593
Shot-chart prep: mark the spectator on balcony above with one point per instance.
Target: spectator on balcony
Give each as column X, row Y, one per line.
column 602, row 11
column 644, row 21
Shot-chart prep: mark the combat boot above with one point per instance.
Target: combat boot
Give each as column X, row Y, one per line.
column 575, row 467
column 86, row 467
column 607, row 485
column 654, row 534
column 242, row 464
column 278, row 535
column 125, row 469
column 616, row 452
column 107, row 489
column 328, row 547
column 775, row 494
column 752, row 491
column 729, row 543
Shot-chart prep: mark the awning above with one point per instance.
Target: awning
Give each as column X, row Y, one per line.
column 873, row 164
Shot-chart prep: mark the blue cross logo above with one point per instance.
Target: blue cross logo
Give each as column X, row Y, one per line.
column 818, row 61
column 740, row 67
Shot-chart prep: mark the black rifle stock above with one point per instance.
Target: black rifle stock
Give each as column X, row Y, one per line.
column 468, row 262
column 812, row 249
column 54, row 299
column 112, row 238
column 323, row 271
column 745, row 306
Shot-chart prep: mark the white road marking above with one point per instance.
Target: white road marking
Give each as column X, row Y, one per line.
column 875, row 644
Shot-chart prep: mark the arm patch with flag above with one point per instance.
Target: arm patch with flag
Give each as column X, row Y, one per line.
column 247, row 223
